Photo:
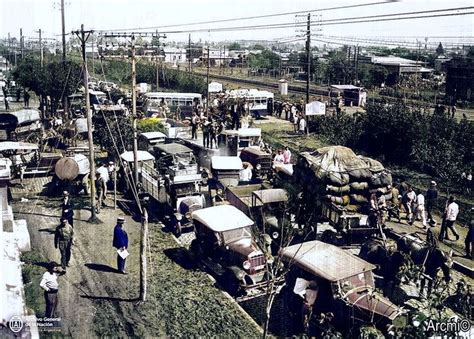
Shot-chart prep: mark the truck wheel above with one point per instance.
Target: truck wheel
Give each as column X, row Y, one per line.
column 231, row 284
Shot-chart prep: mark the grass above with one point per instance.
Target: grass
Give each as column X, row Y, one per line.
column 182, row 301
column 32, row 271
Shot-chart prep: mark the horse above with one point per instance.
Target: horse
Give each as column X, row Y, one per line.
column 431, row 258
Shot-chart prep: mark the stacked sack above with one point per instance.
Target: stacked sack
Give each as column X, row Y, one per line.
column 347, row 179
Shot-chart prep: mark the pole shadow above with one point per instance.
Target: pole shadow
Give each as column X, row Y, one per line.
column 101, row 268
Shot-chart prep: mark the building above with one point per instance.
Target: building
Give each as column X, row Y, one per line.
column 460, row 78
column 174, row 55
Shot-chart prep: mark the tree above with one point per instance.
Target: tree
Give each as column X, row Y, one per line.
column 266, row 60
column 440, row 49
column 234, row 46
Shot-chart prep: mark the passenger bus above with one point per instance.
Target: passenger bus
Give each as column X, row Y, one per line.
column 260, row 102
column 185, row 102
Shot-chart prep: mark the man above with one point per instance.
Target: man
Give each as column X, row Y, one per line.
column 100, row 188
column 408, row 201
column 26, row 98
column 213, row 132
column 49, row 283
column 194, row 125
column 450, row 216
column 63, row 238
column 431, row 197
column 469, row 241
column 68, row 214
column 246, row 173
column 287, row 156
column 394, row 210
column 302, row 125
column 120, row 242
column 420, row 210
column 111, row 173
column 279, row 158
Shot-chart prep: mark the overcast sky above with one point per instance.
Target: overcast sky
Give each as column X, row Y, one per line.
column 122, row 14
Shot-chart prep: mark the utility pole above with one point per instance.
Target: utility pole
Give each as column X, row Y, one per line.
column 21, row 42
column 63, row 27
column 134, row 112
column 308, row 56
column 83, row 36
column 157, row 67
column 41, row 47
column 207, row 80
column 190, row 53
column 225, row 61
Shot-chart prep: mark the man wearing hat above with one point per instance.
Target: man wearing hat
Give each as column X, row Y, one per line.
column 66, row 202
column 120, row 242
column 63, row 238
column 431, row 197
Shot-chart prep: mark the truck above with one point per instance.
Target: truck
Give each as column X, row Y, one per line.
column 175, row 182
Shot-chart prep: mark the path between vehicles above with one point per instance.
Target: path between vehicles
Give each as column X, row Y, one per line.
column 95, row 300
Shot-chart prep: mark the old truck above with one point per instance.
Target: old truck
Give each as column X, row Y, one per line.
column 260, row 160
column 265, row 205
column 327, row 279
column 176, row 183
column 226, row 246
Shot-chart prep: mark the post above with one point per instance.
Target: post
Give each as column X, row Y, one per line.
column 63, row 28
column 225, row 61
column 21, row 42
column 308, row 56
column 207, row 80
column 134, row 113
column 115, row 187
column 143, row 247
column 190, row 53
column 157, row 60
column 83, row 39
column 41, row 47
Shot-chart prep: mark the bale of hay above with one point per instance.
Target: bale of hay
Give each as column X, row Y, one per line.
column 358, row 199
column 358, row 186
column 381, row 179
column 342, row 201
column 337, row 189
column 337, row 179
column 383, row 190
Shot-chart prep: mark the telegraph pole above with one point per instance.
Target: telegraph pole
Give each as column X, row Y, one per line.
column 207, row 80
column 41, row 47
column 308, row 56
column 83, row 36
column 134, row 112
column 21, row 42
column 190, row 53
column 63, row 27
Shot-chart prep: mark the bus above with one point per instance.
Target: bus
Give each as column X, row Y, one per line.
column 260, row 102
column 185, row 102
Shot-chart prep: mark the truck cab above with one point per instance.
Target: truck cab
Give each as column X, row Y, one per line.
column 225, row 244
column 330, row 279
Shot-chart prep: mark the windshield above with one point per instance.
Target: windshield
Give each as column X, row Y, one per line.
column 236, row 234
column 358, row 280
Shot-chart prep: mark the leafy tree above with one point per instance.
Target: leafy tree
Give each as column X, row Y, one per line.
column 111, row 131
column 338, row 68
column 234, row 46
column 258, row 47
column 267, row 60
column 440, row 49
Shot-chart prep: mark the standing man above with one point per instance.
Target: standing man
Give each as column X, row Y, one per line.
column 302, row 124
column 194, row 125
column 408, row 201
column 26, row 98
column 100, row 189
column 450, row 216
column 120, row 242
column 63, row 237
column 431, row 197
column 49, row 283
column 206, row 127
column 111, row 173
column 420, row 210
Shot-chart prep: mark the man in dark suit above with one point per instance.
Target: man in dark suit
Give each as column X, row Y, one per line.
column 120, row 242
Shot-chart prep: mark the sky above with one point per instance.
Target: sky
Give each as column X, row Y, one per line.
column 30, row 15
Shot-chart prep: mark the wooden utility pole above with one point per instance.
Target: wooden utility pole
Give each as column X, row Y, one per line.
column 143, row 247
column 21, row 42
column 134, row 113
column 63, row 28
column 83, row 36
column 190, row 53
column 308, row 56
column 207, row 80
column 41, row 47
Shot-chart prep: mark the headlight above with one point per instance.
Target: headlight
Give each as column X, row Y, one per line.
column 270, row 260
column 275, row 235
column 219, row 191
column 258, row 167
column 179, row 217
column 246, row 265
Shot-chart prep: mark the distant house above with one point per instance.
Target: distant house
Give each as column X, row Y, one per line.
column 397, row 66
column 460, row 78
column 353, row 95
column 175, row 55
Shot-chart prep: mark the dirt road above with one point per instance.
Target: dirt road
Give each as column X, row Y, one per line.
column 95, row 300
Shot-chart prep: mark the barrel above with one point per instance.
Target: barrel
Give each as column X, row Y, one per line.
column 69, row 168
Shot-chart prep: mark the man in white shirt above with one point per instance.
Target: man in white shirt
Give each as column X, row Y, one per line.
column 279, row 158
column 450, row 216
column 302, row 125
column 246, row 173
column 49, row 283
column 419, row 211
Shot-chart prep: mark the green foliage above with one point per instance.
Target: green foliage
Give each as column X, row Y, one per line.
column 267, row 60
column 31, row 273
column 440, row 49
column 114, row 129
column 150, row 125
column 371, row 75
column 183, row 82
column 338, row 68
column 234, row 46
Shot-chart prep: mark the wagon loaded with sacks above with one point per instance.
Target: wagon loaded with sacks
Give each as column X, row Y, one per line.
column 337, row 184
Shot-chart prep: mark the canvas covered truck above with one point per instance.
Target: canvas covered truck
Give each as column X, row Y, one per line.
column 336, row 186
column 176, row 183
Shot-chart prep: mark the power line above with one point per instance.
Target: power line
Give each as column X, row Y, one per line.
column 257, row 16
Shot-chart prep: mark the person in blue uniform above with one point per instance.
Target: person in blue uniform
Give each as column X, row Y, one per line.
column 120, row 241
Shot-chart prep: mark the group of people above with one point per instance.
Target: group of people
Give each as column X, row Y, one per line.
column 211, row 130
column 283, row 156
column 6, row 99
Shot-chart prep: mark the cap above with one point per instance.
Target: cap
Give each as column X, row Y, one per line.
column 433, row 182
column 65, row 193
column 63, row 220
column 121, row 220
column 111, row 162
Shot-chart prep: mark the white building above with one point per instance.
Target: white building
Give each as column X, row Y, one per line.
column 175, row 55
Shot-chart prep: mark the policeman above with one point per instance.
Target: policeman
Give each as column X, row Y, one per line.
column 63, row 237
column 120, row 242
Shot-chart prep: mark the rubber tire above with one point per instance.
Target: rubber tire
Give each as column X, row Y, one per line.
column 231, row 284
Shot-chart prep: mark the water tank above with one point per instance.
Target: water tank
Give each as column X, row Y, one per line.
column 283, row 87
column 69, row 168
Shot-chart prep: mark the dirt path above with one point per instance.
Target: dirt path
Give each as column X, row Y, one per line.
column 97, row 301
